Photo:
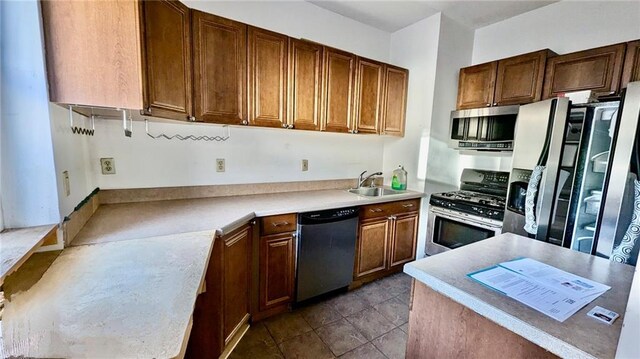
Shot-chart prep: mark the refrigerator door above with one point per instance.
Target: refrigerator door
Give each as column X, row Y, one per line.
column 624, row 151
column 538, row 141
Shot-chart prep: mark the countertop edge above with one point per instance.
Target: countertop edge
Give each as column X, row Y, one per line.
column 509, row 322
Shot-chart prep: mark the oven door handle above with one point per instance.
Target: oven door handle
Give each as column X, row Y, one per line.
column 465, row 220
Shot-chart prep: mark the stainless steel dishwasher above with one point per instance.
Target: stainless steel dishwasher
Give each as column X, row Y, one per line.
column 326, row 251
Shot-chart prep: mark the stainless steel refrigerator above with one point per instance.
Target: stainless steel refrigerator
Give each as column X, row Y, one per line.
column 573, row 173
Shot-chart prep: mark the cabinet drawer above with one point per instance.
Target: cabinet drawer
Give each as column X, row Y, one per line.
column 278, row 224
column 391, row 208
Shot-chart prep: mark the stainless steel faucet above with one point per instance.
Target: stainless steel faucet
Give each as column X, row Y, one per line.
column 362, row 180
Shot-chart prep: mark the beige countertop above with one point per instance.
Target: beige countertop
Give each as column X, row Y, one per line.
column 116, row 222
column 121, row 299
column 577, row 337
column 16, row 245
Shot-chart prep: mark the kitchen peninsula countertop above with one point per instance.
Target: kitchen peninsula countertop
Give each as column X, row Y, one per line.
column 130, row 298
column 577, row 337
column 116, row 222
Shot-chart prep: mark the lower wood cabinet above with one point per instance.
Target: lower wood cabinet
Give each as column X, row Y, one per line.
column 277, row 270
column 387, row 238
column 223, row 309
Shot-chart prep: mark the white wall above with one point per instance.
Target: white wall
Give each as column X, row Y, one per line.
column 415, row 48
column 29, row 195
column 71, row 153
column 301, row 19
column 563, row 27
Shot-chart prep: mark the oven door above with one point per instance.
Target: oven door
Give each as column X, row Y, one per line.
column 448, row 230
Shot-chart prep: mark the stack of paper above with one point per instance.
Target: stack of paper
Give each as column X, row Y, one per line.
column 547, row 289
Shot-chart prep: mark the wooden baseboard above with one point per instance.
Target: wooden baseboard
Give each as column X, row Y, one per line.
column 240, row 332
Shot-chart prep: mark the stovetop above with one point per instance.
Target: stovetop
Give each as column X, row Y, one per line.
column 483, row 193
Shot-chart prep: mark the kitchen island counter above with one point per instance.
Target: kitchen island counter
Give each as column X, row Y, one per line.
column 122, row 221
column 445, row 275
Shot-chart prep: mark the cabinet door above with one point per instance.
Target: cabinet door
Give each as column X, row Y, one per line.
column 476, row 85
column 237, row 279
column 305, row 84
column 277, row 269
column 520, row 79
column 403, row 246
column 596, row 69
column 395, row 100
column 372, row 252
column 167, row 59
column 220, row 69
column 338, row 90
column 369, row 95
column 631, row 71
column 268, row 54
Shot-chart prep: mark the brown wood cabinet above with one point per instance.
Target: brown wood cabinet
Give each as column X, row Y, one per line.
column 277, row 269
column 339, row 70
column 93, row 52
column 268, row 57
column 395, row 100
column 220, row 69
column 167, row 59
column 476, row 85
column 596, row 69
column 369, row 91
column 387, row 238
column 631, row 70
column 520, row 78
column 222, row 310
column 305, row 84
column 512, row 81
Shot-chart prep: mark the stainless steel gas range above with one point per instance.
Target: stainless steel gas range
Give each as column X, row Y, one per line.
column 473, row 213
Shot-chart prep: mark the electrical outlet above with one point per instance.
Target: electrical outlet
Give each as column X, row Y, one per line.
column 220, row 165
column 305, row 165
column 67, row 186
column 108, row 166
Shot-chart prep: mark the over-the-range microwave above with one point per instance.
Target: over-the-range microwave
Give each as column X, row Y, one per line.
column 483, row 129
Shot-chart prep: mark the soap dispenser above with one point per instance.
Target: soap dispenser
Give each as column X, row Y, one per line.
column 399, row 179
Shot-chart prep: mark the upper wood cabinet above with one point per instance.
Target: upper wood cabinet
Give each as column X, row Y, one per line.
column 268, row 56
column 305, row 84
column 167, row 59
column 339, row 71
column 220, row 69
column 93, row 52
column 369, row 91
column 520, row 78
column 631, row 70
column 395, row 100
column 476, row 85
column 595, row 69
column 512, row 81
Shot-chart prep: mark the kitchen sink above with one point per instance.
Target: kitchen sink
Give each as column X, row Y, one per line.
column 374, row 191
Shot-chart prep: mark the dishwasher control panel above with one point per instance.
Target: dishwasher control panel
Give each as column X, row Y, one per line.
column 329, row 215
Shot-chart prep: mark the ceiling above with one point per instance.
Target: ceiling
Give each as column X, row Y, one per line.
column 391, row 16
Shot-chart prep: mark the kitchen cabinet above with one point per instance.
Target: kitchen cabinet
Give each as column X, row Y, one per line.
column 631, row 70
column 512, row 81
column 221, row 312
column 596, row 69
column 167, row 59
column 276, row 264
column 520, row 78
column 220, row 69
column 268, row 57
column 305, row 84
column 395, row 100
column 387, row 238
column 93, row 52
column 338, row 84
column 369, row 90
column 476, row 85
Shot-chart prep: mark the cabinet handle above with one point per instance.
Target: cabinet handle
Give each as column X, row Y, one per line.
column 149, row 109
column 290, row 126
column 191, row 118
column 355, row 131
column 495, row 104
column 392, row 218
column 245, row 122
column 408, row 205
column 374, row 210
column 488, row 105
column 284, row 125
column 280, row 224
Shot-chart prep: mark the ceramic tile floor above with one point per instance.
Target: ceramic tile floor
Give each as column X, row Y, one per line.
column 370, row 322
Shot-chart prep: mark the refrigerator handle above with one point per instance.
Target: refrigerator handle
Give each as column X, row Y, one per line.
column 552, row 156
